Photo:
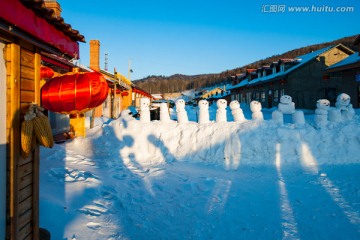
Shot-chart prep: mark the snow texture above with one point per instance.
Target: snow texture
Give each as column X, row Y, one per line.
column 286, row 105
column 204, row 116
column 321, row 112
column 144, row 110
column 164, row 112
column 182, row 116
column 237, row 112
column 344, row 105
column 221, row 110
column 255, row 107
column 254, row 180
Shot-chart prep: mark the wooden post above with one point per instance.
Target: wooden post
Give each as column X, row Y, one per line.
column 36, row 158
column 14, row 118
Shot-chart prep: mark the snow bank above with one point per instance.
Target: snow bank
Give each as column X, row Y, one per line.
column 229, row 144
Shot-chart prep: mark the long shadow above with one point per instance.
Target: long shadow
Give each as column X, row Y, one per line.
column 315, row 201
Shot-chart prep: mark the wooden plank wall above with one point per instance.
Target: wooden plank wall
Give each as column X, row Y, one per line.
column 23, row 88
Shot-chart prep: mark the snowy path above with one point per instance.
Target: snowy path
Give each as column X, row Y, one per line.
column 196, row 201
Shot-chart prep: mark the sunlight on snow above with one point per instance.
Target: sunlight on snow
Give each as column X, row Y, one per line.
column 310, row 164
column 290, row 230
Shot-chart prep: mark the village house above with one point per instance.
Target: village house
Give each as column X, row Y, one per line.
column 302, row 78
column 32, row 35
column 345, row 75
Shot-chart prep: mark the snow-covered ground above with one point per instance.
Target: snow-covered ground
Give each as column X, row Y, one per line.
column 255, row 180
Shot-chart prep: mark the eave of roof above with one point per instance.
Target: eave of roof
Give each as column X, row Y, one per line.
column 38, row 6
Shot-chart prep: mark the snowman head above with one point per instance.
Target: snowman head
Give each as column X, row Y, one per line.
column 286, row 99
column 180, row 104
column 144, row 103
column 255, row 106
column 221, row 103
column 203, row 104
column 234, row 105
column 323, row 104
column 343, row 99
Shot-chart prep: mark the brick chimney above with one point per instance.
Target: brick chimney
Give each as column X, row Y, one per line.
column 54, row 5
column 95, row 55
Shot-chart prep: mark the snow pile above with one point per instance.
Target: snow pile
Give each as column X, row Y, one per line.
column 130, row 179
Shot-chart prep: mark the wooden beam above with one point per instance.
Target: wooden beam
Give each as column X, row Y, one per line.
column 36, row 169
column 14, row 137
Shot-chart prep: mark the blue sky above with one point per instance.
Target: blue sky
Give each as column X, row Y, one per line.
column 197, row 36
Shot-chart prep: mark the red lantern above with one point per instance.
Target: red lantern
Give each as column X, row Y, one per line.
column 46, row 72
column 74, row 93
column 125, row 94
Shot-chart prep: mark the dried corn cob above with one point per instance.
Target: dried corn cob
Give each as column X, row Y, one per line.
column 42, row 130
column 27, row 131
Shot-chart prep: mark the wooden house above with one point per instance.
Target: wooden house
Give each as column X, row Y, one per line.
column 30, row 35
column 344, row 76
column 301, row 78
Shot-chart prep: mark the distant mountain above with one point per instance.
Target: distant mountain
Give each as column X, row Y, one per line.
column 179, row 82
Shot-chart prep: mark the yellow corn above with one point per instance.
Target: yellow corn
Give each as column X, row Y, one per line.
column 27, row 145
column 42, row 131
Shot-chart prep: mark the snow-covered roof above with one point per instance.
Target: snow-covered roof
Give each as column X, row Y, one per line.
column 354, row 58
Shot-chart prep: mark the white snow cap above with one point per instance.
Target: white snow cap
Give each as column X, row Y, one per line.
column 221, row 103
column 203, row 104
column 323, row 104
column 234, row 104
column 180, row 105
column 255, row 106
column 144, row 103
column 342, row 100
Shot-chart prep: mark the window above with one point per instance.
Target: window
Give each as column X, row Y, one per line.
column 263, row 96
column 276, row 95
column 274, row 70
column 257, row 96
column 248, row 97
column 282, row 92
column 282, row 67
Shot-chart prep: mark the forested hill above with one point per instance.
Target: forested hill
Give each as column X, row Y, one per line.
column 179, row 82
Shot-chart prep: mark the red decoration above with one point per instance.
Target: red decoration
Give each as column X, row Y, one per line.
column 125, row 94
column 74, row 93
column 46, row 72
column 24, row 18
column 326, row 77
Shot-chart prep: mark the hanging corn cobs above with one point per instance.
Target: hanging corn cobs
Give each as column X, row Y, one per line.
column 27, row 130
column 42, row 130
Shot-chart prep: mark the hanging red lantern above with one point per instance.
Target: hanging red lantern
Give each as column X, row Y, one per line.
column 74, row 93
column 46, row 72
column 125, row 94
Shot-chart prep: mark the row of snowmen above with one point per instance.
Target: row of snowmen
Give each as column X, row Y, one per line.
column 343, row 110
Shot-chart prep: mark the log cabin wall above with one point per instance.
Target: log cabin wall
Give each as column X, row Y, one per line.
column 23, row 87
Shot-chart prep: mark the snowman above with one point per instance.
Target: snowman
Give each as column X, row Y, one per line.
column 321, row 112
column 144, row 110
column 164, row 113
column 203, row 111
column 287, row 106
column 345, row 107
column 237, row 112
column 182, row 116
column 255, row 108
column 221, row 110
